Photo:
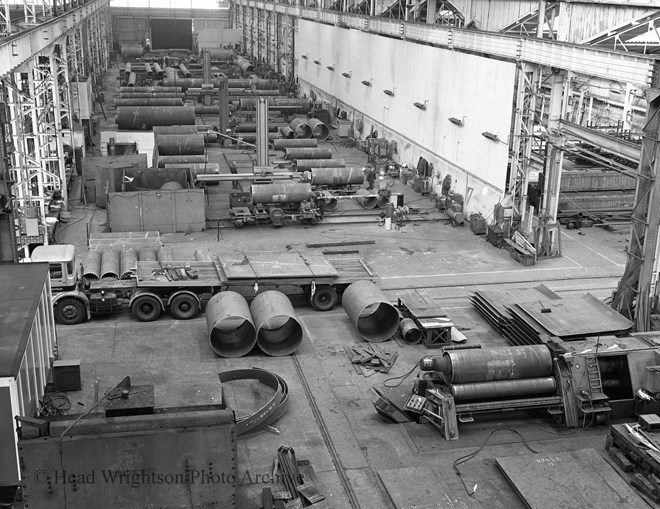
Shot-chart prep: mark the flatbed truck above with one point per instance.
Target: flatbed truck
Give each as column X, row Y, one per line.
column 182, row 288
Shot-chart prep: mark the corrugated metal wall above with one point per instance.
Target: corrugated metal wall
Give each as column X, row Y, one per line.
column 578, row 22
column 493, row 15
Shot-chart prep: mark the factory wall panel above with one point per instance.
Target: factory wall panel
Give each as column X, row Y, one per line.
column 493, row 15
column 471, row 88
column 578, row 22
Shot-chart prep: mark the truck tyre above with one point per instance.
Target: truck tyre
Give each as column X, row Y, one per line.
column 70, row 311
column 184, row 307
column 146, row 308
column 324, row 298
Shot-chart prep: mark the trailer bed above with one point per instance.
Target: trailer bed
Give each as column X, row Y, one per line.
column 209, row 274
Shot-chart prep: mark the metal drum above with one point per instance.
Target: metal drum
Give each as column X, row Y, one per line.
column 278, row 330
column 374, row 318
column 229, row 324
column 409, row 331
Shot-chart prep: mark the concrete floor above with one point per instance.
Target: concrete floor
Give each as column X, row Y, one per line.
column 331, row 420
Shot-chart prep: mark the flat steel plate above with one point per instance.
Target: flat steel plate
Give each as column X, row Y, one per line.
column 292, row 264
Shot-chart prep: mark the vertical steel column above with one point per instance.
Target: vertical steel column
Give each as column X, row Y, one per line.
column 61, row 111
column 30, row 12
column 553, row 164
column 262, row 132
column 104, row 39
column 92, row 46
column 8, row 247
column 5, row 19
column 631, row 298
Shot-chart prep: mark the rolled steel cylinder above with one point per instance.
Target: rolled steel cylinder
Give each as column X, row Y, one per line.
column 278, row 330
column 91, row 262
column 180, row 145
column 330, row 203
column 165, row 254
column 128, row 68
column 281, row 192
column 229, row 324
column 148, row 69
column 138, row 118
column 308, row 164
column 132, row 77
column 300, row 128
column 287, row 132
column 291, row 106
column 221, row 54
column 382, row 202
column 320, row 131
column 374, row 318
column 180, row 160
column 157, row 69
column 336, row 176
column 110, row 265
column 184, row 70
column 151, row 90
column 132, row 50
column 486, row 365
column 252, row 137
column 409, row 331
column 307, row 153
column 239, row 92
column 366, row 199
column 175, row 129
column 206, row 110
column 147, row 254
column 129, row 260
column 293, row 143
column 149, row 101
column 186, row 83
column 251, row 127
column 503, row 389
column 171, row 74
column 204, row 255
column 150, row 95
column 258, row 84
column 244, row 64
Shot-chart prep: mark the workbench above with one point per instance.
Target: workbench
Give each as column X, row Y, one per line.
column 432, row 321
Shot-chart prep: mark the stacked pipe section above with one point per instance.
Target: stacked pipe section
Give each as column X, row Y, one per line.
column 114, row 264
column 375, row 319
column 235, row 327
column 495, row 373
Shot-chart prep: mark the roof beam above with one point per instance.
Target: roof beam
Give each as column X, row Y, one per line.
column 622, row 148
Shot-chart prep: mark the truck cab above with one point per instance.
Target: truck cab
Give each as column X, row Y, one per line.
column 70, row 305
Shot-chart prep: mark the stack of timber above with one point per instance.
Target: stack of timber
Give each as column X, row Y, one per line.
column 529, row 317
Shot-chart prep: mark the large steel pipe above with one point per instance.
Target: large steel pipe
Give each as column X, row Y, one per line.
column 145, row 117
column 147, row 69
column 336, row 176
column 289, row 143
column 157, row 69
column 244, row 64
column 330, row 203
column 132, row 50
column 258, row 84
column 184, row 70
column 485, row 365
column 307, row 153
column 410, row 331
column 288, row 105
column 151, row 90
column 287, row 132
column 201, row 109
column 110, row 265
column 229, row 324
column 308, row 164
column 374, row 318
column 224, row 55
column 175, row 129
column 132, row 78
column 320, row 131
column 129, row 260
column 171, row 74
column 91, row 263
column 301, row 129
column 251, row 127
column 180, row 160
column 149, row 101
column 147, row 254
column 281, row 192
column 187, row 83
column 503, row 389
column 252, row 137
column 180, row 145
column 150, row 95
column 128, row 68
column 367, row 199
column 278, row 330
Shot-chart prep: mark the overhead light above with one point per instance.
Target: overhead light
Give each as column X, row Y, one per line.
column 457, row 121
column 389, row 92
column 331, row 68
column 346, row 74
column 303, row 56
column 490, row 136
column 421, row 106
column 366, row 83
column 317, row 62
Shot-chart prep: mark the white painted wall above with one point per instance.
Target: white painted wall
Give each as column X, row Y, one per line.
column 454, row 84
column 143, row 139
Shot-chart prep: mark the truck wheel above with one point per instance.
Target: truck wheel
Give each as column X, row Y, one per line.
column 324, row 298
column 70, row 311
column 184, row 307
column 146, row 308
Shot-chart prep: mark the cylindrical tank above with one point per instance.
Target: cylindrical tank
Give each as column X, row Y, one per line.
column 367, row 199
column 307, row 153
column 278, row 330
column 175, row 129
column 184, row 70
column 165, row 254
column 485, row 365
column 110, row 266
column 138, row 118
column 336, row 176
column 229, row 324
column 150, row 95
column 129, row 260
column 409, row 331
column 503, row 389
column 147, row 254
column 251, row 127
column 150, row 90
column 301, row 129
column 293, row 143
column 373, row 316
column 91, row 262
column 244, row 64
column 287, row 132
column 320, row 131
column 180, row 160
column 149, row 101
column 456, row 216
column 281, row 192
column 180, row 144
column 131, row 50
column 308, row 164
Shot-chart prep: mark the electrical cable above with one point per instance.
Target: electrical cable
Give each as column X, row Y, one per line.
column 402, row 377
column 468, row 457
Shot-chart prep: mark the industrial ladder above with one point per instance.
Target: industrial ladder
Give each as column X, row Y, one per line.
column 593, row 373
column 593, row 403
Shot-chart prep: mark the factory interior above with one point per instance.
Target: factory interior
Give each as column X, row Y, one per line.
column 329, row 254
